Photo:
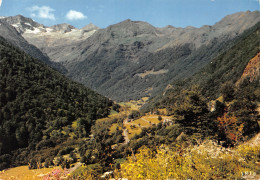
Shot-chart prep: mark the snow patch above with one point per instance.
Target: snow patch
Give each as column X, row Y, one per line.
column 49, row 30
column 35, row 31
column 16, row 25
column 28, row 24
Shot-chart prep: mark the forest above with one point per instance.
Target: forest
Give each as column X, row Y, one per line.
column 39, row 107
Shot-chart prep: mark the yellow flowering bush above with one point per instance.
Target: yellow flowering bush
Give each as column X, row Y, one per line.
column 206, row 161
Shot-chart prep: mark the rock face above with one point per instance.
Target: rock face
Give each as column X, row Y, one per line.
column 22, row 23
column 252, row 70
column 115, row 61
column 90, row 27
column 48, row 37
column 12, row 34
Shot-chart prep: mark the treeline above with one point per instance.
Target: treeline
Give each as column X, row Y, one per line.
column 39, row 105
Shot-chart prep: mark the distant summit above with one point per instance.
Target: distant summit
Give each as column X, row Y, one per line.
column 22, row 23
column 90, row 27
column 62, row 28
column 44, row 36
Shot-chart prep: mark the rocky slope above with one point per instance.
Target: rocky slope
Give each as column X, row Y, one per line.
column 12, row 35
column 133, row 59
column 237, row 63
column 252, row 70
column 43, row 36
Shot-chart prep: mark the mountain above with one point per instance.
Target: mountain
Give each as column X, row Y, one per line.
column 38, row 107
column 43, row 36
column 90, row 27
column 13, row 35
column 236, row 65
column 22, row 23
column 133, row 59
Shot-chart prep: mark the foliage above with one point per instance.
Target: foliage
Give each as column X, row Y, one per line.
column 83, row 173
column 134, row 115
column 207, row 161
column 38, row 103
column 189, row 108
column 244, row 106
column 229, row 129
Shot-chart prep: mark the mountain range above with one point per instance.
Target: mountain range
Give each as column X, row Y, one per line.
column 131, row 59
column 203, row 83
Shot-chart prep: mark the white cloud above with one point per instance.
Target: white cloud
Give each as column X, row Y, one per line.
column 44, row 12
column 258, row 1
column 75, row 15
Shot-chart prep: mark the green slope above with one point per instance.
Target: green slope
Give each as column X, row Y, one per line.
column 226, row 67
column 38, row 105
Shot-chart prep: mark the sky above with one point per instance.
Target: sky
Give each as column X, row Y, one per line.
column 159, row 13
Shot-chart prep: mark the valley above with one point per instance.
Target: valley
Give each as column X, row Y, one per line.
column 130, row 101
column 132, row 59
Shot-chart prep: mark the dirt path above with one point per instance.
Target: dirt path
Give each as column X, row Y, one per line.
column 125, row 134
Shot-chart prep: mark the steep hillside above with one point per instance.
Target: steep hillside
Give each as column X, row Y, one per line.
column 13, row 36
column 252, row 70
column 227, row 67
column 38, row 107
column 133, row 59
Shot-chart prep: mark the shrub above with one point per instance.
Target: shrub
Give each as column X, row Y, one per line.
column 67, row 150
column 206, row 161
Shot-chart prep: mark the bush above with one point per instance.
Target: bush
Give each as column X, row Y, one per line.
column 45, row 144
column 134, row 115
column 67, row 150
column 206, row 161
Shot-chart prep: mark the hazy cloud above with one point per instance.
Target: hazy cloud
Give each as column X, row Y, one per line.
column 44, row 12
column 75, row 15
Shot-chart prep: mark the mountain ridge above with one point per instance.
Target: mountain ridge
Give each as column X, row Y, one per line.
column 110, row 59
column 14, row 37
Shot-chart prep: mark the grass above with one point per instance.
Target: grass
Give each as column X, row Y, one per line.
column 163, row 111
column 120, row 161
column 112, row 112
column 154, row 118
column 23, row 173
column 221, row 99
column 141, row 122
column 134, row 131
column 113, row 128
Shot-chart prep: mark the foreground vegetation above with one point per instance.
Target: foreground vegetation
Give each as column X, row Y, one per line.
column 203, row 161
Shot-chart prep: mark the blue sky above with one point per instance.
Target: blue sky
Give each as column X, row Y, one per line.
column 178, row 13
